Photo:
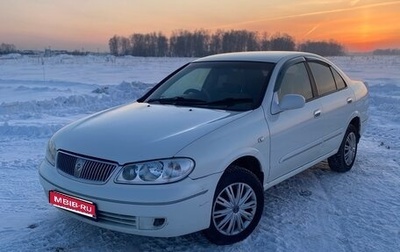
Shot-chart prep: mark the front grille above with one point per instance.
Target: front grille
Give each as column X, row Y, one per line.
column 118, row 219
column 84, row 168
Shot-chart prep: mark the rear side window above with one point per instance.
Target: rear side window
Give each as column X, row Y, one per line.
column 323, row 78
column 340, row 84
column 296, row 81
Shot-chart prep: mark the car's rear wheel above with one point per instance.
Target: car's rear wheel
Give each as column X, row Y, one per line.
column 344, row 159
column 237, row 207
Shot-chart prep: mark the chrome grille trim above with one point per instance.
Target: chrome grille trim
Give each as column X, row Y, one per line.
column 84, row 168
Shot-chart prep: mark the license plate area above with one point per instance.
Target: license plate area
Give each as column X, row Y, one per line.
column 72, row 204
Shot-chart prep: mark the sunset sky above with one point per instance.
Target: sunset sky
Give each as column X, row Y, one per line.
column 360, row 25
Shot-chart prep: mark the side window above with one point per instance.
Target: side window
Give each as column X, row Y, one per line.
column 296, row 81
column 323, row 78
column 340, row 84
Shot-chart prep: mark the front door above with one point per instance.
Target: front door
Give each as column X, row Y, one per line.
column 296, row 135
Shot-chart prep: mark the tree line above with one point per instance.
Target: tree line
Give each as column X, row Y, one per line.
column 199, row 43
column 386, row 52
column 7, row 48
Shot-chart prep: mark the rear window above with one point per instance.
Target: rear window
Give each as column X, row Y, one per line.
column 340, row 84
column 323, row 78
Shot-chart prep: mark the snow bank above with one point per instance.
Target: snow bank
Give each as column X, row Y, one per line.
column 45, row 116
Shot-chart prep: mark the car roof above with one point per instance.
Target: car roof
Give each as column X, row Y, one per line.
column 261, row 56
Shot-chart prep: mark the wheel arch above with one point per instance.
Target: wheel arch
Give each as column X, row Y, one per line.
column 356, row 122
column 239, row 184
column 250, row 163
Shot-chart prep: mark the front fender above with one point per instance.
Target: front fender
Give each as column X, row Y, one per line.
column 214, row 152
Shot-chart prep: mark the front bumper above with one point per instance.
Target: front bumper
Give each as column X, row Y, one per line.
column 152, row 210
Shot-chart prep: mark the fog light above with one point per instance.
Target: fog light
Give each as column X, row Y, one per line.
column 149, row 223
column 158, row 222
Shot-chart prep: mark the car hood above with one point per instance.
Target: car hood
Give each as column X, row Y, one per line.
column 140, row 131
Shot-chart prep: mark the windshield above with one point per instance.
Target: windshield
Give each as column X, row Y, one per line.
column 221, row 85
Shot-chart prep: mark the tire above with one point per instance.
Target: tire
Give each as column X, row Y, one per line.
column 344, row 159
column 234, row 218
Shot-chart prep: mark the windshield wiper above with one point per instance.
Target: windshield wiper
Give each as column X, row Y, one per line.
column 177, row 100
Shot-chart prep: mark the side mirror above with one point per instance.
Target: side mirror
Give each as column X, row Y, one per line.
column 292, row 101
column 288, row 102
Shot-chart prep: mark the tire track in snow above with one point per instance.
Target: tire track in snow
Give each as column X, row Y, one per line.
column 334, row 210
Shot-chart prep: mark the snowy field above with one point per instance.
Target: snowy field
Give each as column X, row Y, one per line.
column 317, row 210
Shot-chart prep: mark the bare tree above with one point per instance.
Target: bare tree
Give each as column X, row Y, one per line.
column 264, row 42
column 181, row 44
column 7, row 48
column 200, row 43
column 323, row 48
column 162, row 45
column 124, row 45
column 113, row 44
column 282, row 43
column 216, row 42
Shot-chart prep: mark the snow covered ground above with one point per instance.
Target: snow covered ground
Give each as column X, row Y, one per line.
column 317, row 210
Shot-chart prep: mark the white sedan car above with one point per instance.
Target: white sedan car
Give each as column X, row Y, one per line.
column 198, row 150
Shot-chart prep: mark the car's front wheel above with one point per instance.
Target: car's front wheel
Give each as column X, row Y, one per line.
column 237, row 207
column 344, row 159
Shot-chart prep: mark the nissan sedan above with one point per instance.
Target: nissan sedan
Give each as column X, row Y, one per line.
column 198, row 150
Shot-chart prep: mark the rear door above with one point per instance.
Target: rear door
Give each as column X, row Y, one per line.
column 337, row 103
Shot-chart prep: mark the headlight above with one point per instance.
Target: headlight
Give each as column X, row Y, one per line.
column 51, row 152
column 155, row 172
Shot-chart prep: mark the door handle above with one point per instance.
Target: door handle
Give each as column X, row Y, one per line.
column 349, row 100
column 317, row 113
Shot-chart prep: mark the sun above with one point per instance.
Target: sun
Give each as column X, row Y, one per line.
column 364, row 32
column 366, row 28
